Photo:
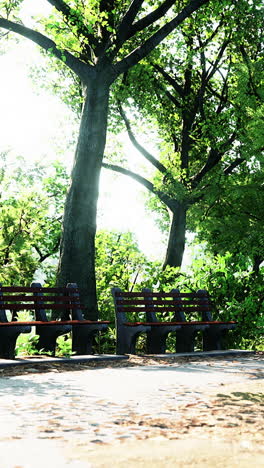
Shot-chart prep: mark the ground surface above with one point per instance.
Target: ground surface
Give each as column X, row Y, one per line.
column 143, row 412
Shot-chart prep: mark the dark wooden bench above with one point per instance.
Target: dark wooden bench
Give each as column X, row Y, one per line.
column 159, row 314
column 40, row 300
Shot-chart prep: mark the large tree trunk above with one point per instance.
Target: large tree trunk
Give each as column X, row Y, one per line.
column 176, row 241
column 77, row 255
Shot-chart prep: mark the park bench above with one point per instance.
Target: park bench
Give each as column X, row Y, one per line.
column 40, row 300
column 159, row 313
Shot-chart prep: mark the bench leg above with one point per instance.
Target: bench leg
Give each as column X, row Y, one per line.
column 156, row 341
column 127, row 339
column 212, row 339
column 83, row 337
column 48, row 336
column 7, row 347
column 8, row 338
column 126, row 344
column 82, row 341
column 122, row 345
column 185, row 339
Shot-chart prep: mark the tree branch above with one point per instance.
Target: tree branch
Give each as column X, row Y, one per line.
column 213, row 91
column 151, row 18
column 142, row 51
column 169, row 95
column 211, row 72
column 83, row 70
column 233, row 165
column 210, row 38
column 146, row 183
column 223, row 98
column 213, row 159
column 178, row 88
column 73, row 19
column 125, row 25
column 42, row 256
column 141, row 180
column 249, row 67
column 138, row 146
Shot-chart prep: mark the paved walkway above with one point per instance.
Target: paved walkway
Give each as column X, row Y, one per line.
column 50, row 417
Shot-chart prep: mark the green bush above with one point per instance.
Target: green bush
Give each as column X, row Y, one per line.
column 64, row 346
column 26, row 345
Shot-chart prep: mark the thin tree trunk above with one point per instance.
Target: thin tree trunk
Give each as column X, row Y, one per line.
column 176, row 241
column 257, row 260
column 77, row 253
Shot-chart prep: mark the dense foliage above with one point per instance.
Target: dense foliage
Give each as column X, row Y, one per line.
column 30, row 214
column 206, row 103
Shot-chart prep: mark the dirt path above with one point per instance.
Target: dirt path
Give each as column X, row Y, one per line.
column 198, row 453
column 228, row 432
column 146, row 412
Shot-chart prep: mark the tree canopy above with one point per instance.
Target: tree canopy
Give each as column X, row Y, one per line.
column 205, row 102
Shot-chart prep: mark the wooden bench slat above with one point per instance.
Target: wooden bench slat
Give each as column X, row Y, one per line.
column 53, row 322
column 152, row 324
column 154, row 294
column 36, row 289
column 161, row 309
column 175, row 294
column 43, row 306
column 135, row 324
column 155, row 302
column 218, row 322
column 32, row 297
column 186, row 324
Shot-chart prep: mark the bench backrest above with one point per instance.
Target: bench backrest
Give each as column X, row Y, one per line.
column 39, row 299
column 174, row 304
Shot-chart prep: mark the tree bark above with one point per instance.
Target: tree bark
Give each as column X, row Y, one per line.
column 257, row 260
column 176, row 241
column 77, row 253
